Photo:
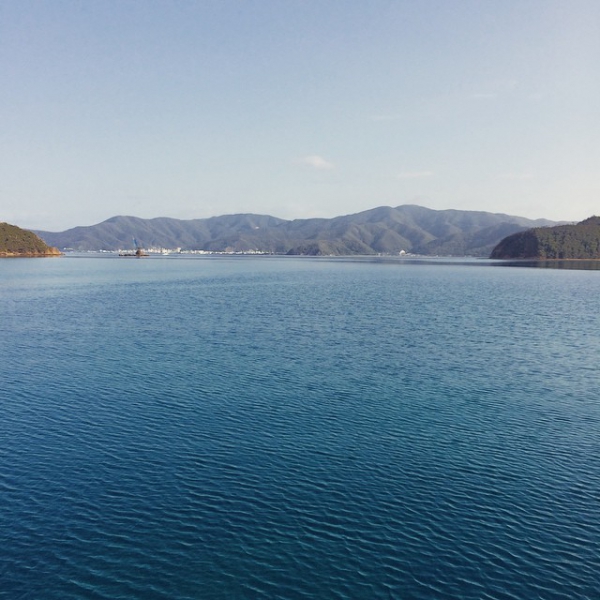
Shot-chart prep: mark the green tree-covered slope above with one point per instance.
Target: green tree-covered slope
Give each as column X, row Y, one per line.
column 15, row 241
column 580, row 241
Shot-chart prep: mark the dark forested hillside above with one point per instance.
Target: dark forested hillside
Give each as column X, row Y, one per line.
column 383, row 230
column 580, row 241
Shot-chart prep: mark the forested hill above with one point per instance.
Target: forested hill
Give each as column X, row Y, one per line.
column 385, row 230
column 15, row 241
column 580, row 241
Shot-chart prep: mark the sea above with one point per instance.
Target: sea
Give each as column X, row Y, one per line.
column 259, row 427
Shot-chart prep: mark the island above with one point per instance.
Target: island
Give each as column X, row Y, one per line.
column 16, row 242
column 580, row 241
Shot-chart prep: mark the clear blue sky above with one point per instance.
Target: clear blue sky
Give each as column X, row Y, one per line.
column 297, row 108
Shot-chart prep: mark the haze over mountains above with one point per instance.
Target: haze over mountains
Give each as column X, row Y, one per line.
column 385, row 230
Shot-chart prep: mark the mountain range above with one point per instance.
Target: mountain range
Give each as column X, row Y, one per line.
column 382, row 230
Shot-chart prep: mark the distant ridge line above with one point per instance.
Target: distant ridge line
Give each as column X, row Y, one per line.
column 382, row 230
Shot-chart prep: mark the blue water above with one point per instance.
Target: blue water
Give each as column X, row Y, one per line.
column 191, row 428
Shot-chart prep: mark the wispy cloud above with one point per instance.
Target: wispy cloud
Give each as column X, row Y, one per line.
column 536, row 96
column 517, row 176
column 414, row 174
column 390, row 117
column 484, row 96
column 316, row 162
column 494, row 88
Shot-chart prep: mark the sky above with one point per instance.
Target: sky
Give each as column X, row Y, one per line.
column 297, row 108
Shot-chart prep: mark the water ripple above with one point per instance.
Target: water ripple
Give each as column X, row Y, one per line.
column 356, row 432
